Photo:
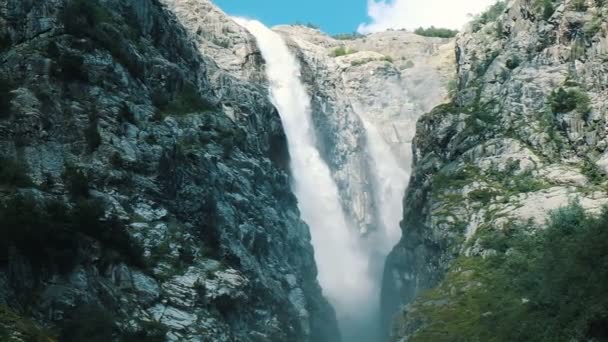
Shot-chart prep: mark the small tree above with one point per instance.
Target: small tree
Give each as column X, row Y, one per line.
column 436, row 32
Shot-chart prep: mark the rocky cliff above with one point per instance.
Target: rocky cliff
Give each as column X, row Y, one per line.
column 144, row 185
column 525, row 134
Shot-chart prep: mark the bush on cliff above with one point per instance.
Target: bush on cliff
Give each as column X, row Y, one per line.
column 50, row 235
column 436, row 32
column 13, row 172
column 342, row 51
column 542, row 285
column 90, row 19
column 564, row 101
column 489, row 16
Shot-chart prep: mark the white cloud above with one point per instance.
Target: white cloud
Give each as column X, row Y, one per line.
column 410, row 14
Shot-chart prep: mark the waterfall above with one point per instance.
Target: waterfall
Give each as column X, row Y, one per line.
column 341, row 260
column 390, row 182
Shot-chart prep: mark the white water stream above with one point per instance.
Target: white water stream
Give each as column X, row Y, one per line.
column 349, row 266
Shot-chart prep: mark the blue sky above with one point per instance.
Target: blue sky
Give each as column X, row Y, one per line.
column 341, row 16
column 333, row 16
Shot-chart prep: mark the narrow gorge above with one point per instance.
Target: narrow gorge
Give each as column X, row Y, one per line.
column 169, row 172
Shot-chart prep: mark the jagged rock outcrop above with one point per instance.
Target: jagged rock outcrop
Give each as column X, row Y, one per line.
column 144, row 181
column 524, row 134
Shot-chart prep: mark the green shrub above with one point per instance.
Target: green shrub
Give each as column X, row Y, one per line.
column 187, row 101
column 89, row 322
column 578, row 50
column 513, row 62
column 5, row 98
column 564, row 101
column 592, row 172
column 436, row 32
column 90, row 19
column 409, row 64
column 70, row 68
column 342, row 51
column 77, row 182
column 50, row 234
column 543, row 286
column 92, row 322
column 452, row 87
column 308, row 24
column 91, row 133
column 490, row 15
column 361, row 61
column 545, row 7
column 579, row 5
column 52, row 50
column 81, row 17
column 150, row 332
column 12, row 324
column 37, row 234
column 592, row 27
column 14, row 173
column 482, row 195
column 526, row 182
column 447, row 179
column 126, row 115
column 348, row 36
column 116, row 160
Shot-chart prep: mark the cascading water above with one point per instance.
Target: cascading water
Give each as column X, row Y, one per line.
column 341, row 260
column 390, row 182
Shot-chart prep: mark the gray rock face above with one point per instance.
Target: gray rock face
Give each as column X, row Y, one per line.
column 163, row 106
column 509, row 148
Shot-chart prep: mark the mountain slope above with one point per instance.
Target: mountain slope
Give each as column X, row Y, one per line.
column 143, row 186
column 524, row 135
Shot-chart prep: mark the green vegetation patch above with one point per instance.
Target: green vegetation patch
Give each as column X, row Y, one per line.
column 308, row 24
column 348, row 36
column 436, row 32
column 447, row 178
column 51, row 235
column 69, row 67
column 489, row 16
column 342, row 51
column 187, row 101
column 91, row 133
column 566, row 100
column 90, row 19
column 592, row 172
column 93, row 323
column 13, row 325
column 14, row 172
column 543, row 286
column 545, row 7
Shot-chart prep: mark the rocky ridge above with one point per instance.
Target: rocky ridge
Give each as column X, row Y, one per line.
column 525, row 134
